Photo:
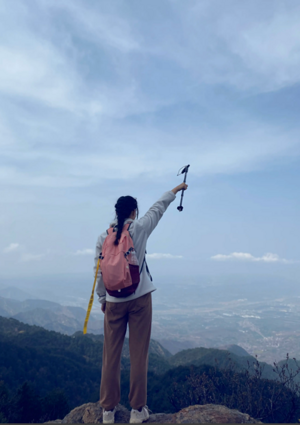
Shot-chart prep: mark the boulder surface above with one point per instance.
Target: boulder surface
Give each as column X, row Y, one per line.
column 91, row 413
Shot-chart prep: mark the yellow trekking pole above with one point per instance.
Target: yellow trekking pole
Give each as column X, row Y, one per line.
column 91, row 301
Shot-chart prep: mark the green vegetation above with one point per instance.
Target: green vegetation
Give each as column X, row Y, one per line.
column 266, row 400
column 223, row 359
column 44, row 374
column 25, row 405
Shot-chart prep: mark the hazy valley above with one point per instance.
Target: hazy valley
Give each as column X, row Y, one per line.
column 259, row 313
column 260, row 316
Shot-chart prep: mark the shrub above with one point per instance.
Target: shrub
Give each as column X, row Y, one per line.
column 271, row 401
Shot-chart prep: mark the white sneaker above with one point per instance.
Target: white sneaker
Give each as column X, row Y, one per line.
column 137, row 417
column 109, row 416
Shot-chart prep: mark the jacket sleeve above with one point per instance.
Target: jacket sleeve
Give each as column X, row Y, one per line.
column 150, row 220
column 100, row 288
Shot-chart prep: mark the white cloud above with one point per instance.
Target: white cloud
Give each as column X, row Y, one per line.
column 38, row 72
column 244, row 256
column 11, row 247
column 245, row 149
column 88, row 88
column 101, row 27
column 24, row 256
column 239, row 47
column 39, row 68
column 86, row 251
column 31, row 257
column 256, row 46
column 158, row 256
column 270, row 49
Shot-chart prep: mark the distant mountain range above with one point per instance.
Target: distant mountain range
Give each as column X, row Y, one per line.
column 68, row 320
column 15, row 293
column 49, row 315
column 163, row 354
column 89, row 347
column 175, row 346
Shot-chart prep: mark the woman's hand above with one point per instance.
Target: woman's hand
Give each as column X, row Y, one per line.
column 103, row 306
column 182, row 186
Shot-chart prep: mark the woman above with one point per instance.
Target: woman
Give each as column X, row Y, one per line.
column 136, row 310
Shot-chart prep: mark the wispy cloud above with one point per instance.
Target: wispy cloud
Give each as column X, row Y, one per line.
column 87, row 88
column 255, row 47
column 23, row 255
column 86, row 251
column 27, row 257
column 159, row 256
column 104, row 28
column 249, row 148
column 68, row 87
column 244, row 256
column 11, row 247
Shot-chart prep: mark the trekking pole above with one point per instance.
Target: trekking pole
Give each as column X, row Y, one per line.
column 184, row 170
column 88, row 312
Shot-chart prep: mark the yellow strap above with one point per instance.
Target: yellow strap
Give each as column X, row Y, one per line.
column 91, row 301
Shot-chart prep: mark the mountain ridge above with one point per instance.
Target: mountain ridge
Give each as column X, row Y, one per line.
column 49, row 314
column 50, row 361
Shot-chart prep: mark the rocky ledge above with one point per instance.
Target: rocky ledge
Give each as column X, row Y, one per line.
column 91, row 413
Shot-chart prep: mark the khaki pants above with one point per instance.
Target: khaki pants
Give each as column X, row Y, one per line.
column 138, row 314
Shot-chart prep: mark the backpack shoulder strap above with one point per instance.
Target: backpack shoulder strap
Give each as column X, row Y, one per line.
column 147, row 269
column 113, row 229
column 127, row 227
column 110, row 230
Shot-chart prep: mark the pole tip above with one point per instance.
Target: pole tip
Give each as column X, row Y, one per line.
column 180, row 208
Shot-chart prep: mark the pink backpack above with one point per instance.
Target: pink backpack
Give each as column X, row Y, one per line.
column 119, row 264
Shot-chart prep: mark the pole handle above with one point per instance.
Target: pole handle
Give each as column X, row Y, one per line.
column 185, row 171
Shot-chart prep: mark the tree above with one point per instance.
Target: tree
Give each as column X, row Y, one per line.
column 4, row 402
column 26, row 405
column 54, row 406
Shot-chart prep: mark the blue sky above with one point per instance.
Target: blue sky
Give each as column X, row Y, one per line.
column 104, row 99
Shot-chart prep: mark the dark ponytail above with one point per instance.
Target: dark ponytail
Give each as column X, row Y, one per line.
column 124, row 207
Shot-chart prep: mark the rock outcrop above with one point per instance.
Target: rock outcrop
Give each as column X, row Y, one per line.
column 211, row 413
column 91, row 413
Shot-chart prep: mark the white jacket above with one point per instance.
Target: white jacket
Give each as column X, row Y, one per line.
column 140, row 230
